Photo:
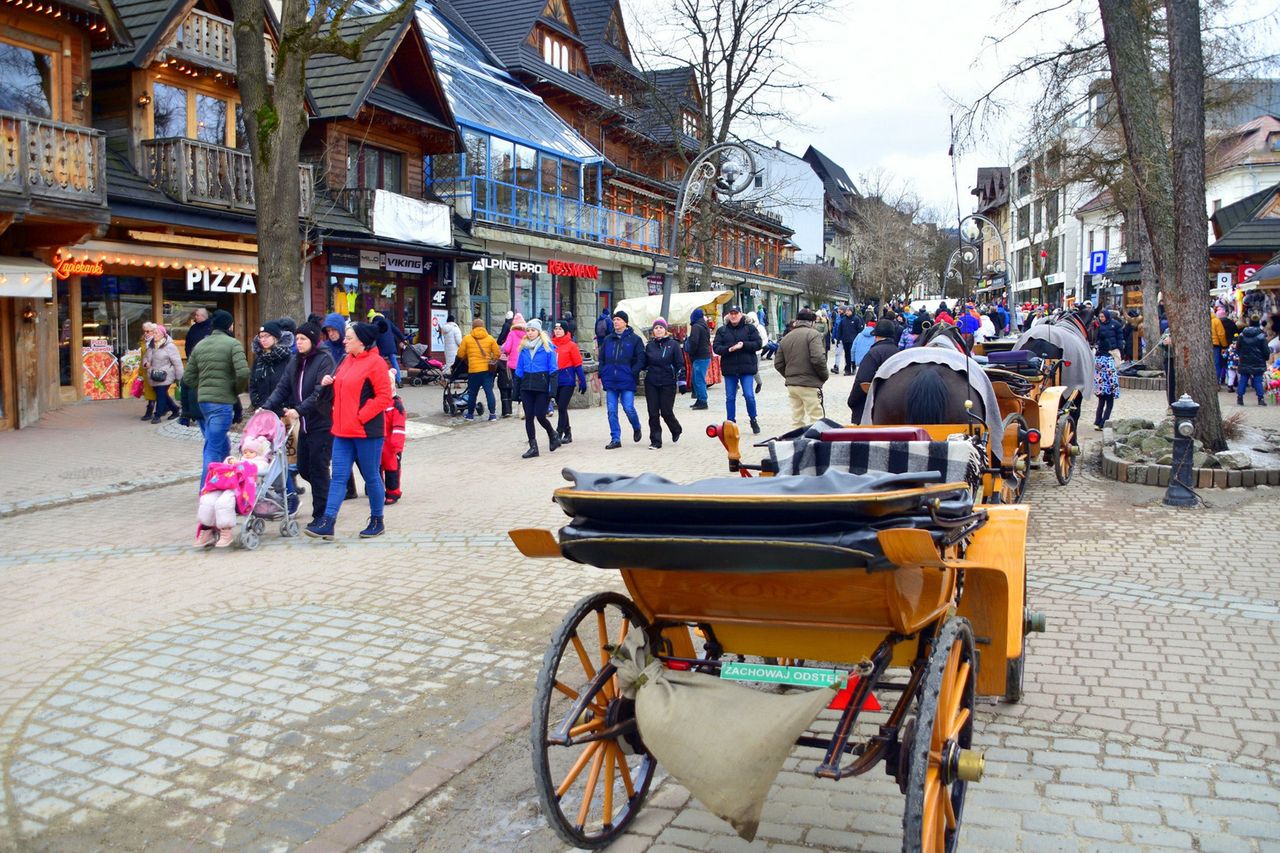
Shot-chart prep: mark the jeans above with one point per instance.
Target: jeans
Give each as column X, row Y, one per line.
column 164, row 403
column 476, row 381
column 661, row 401
column 1105, row 402
column 1245, row 381
column 731, row 385
column 315, row 450
column 628, row 400
column 214, row 422
column 1220, row 363
column 394, row 361
column 367, row 454
column 564, row 395
column 700, row 366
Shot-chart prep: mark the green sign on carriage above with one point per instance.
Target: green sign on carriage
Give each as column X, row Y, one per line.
column 796, row 676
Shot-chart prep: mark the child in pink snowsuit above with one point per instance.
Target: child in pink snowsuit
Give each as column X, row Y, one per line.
column 230, row 487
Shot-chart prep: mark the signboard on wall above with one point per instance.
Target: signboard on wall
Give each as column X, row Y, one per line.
column 655, row 283
column 507, row 265
column 221, row 282
column 1244, row 271
column 402, row 263
column 572, row 268
column 370, row 260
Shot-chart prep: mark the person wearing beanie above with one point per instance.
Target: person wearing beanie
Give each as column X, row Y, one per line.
column 536, row 368
column 698, row 346
column 508, row 388
column 483, row 358
column 393, row 443
column 568, row 374
column 506, row 328
column 802, row 361
column 301, row 397
column 663, row 379
column 737, row 342
column 886, row 333
column 362, row 391
column 271, row 354
column 621, row 360
column 217, row 371
column 163, row 368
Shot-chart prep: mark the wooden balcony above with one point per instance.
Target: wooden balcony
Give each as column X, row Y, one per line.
column 195, row 172
column 48, row 161
column 208, row 41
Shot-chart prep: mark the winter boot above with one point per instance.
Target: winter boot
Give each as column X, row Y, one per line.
column 320, row 528
column 375, row 528
column 636, row 435
column 156, row 419
column 151, row 406
column 566, row 437
column 755, row 426
column 675, row 435
column 531, row 452
column 226, row 536
column 553, row 441
column 701, row 404
column 205, row 537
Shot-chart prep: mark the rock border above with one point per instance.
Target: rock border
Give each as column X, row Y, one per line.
column 1143, row 383
column 1153, row 474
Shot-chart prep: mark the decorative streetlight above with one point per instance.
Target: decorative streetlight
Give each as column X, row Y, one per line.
column 731, row 177
column 971, row 231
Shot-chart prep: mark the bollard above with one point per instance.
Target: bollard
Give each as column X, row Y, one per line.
column 1179, row 492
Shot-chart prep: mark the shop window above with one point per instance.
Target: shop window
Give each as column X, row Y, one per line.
column 26, row 80
column 169, row 108
column 370, row 168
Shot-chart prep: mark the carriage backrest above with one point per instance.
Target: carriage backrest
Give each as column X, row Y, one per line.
column 892, row 433
column 958, row 460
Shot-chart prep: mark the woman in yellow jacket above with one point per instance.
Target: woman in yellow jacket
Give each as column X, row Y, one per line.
column 1218, row 334
column 481, row 353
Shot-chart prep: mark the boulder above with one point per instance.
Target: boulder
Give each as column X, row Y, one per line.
column 1199, row 459
column 1234, row 460
column 1125, row 452
column 1151, row 374
column 1137, row 436
column 1164, row 429
column 1128, row 425
column 1156, row 447
column 1167, row 459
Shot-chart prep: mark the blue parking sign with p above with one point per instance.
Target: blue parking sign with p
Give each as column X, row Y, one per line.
column 1098, row 262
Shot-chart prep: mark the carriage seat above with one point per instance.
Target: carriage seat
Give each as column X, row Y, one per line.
column 1024, row 362
column 956, row 461
column 875, row 434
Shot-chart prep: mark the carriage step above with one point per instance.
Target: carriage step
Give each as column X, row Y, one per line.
column 1034, row 622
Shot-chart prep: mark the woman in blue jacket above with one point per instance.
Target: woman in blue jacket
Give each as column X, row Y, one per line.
column 536, row 369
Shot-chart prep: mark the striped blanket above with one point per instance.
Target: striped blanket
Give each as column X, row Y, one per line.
column 957, row 460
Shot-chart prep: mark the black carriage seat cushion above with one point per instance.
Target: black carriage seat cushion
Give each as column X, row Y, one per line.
column 1013, row 356
column 875, row 434
column 957, row 461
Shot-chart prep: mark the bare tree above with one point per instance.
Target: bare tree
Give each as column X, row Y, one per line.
column 275, row 114
column 894, row 246
column 819, row 283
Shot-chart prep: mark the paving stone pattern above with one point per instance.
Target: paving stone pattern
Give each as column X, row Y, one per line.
column 152, row 696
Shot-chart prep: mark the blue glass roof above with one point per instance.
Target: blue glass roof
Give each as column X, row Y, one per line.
column 485, row 97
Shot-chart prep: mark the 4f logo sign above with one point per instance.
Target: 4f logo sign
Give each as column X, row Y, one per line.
column 438, row 298
column 221, row 282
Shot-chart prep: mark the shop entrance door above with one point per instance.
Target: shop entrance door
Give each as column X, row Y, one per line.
column 112, row 311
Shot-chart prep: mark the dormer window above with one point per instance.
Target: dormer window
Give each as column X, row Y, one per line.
column 689, row 123
column 556, row 53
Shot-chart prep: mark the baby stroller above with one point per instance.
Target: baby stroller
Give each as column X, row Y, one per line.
column 456, row 398
column 272, row 503
column 419, row 368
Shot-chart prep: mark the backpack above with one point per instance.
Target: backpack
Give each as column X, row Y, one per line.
column 603, row 328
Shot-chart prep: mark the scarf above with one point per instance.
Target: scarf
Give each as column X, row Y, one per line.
column 533, row 343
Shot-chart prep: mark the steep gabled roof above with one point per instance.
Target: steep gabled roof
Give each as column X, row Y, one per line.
column 993, row 187
column 1228, row 218
column 839, row 186
column 593, row 17
column 1102, row 201
column 1254, row 142
column 502, row 26
column 150, row 23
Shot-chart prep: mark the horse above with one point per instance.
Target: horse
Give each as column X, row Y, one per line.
column 926, row 394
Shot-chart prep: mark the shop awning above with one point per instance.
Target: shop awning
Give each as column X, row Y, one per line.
column 25, row 277
column 161, row 257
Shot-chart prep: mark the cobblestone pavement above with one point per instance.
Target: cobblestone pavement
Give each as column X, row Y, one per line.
column 152, row 696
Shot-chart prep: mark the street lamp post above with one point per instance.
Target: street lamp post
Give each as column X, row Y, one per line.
column 730, row 178
column 973, row 234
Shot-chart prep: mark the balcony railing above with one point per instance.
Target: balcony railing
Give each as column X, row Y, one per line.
column 195, row 172
column 209, row 41
column 499, row 203
column 51, row 161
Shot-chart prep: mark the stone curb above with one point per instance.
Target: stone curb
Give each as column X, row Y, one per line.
column 1152, row 474
column 97, row 493
column 1143, row 383
column 439, row 770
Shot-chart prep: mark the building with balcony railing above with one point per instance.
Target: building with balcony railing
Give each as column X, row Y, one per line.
column 52, row 186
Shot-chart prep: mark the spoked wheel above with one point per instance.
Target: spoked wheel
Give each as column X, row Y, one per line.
column 940, row 763
column 1064, row 457
column 1019, row 461
column 591, row 766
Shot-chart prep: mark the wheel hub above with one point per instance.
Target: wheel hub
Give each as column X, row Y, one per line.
column 961, row 765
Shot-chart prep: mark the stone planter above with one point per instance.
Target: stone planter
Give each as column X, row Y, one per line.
column 1155, row 474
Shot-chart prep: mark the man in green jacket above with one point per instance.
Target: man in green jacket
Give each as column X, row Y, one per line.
column 802, row 361
column 218, row 371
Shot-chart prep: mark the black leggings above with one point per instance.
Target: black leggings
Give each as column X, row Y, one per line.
column 1105, row 402
column 564, row 394
column 535, row 407
column 660, row 400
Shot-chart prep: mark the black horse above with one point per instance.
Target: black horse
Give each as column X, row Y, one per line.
column 926, row 394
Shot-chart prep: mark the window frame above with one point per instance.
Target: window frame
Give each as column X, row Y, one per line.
column 230, row 134
column 55, row 71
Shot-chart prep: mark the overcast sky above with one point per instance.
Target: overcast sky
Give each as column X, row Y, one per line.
column 888, row 69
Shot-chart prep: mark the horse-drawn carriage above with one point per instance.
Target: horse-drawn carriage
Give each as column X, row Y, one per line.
column 891, row 578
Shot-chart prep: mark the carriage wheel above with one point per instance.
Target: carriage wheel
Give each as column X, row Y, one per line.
column 589, row 791
column 939, row 760
column 1015, row 484
column 1064, row 458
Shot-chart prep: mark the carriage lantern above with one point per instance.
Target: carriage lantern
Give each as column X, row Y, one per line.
column 1179, row 492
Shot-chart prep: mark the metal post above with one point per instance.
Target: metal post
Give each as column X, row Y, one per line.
column 1179, row 492
column 1004, row 256
column 727, row 183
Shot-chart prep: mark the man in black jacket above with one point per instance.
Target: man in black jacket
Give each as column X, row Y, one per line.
column 698, row 345
column 886, row 334
column 850, row 326
column 737, row 342
column 1252, row 350
column 300, row 396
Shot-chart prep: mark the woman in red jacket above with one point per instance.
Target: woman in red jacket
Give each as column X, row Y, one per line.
column 361, row 394
column 570, row 373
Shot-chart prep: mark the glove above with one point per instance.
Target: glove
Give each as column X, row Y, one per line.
column 582, row 389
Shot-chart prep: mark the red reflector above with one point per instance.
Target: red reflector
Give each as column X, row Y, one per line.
column 1033, row 436
column 713, row 431
column 1066, row 364
column 677, row 665
column 842, row 699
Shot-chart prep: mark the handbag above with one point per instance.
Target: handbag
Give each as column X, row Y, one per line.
column 157, row 377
